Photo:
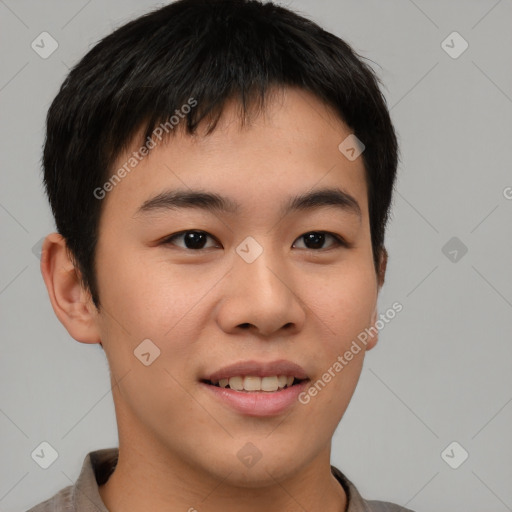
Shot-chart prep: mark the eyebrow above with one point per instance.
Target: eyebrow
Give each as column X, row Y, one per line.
column 210, row 201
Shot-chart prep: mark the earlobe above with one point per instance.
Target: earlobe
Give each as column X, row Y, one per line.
column 70, row 302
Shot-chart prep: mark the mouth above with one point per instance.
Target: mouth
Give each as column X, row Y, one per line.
column 254, row 383
column 253, row 388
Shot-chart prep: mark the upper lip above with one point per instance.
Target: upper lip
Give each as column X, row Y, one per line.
column 258, row 369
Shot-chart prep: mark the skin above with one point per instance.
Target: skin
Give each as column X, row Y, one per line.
column 178, row 446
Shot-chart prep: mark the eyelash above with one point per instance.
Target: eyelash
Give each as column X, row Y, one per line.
column 339, row 241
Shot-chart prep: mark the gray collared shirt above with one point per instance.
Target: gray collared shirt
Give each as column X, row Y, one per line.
column 98, row 465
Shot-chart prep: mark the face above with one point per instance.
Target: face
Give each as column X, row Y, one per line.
column 254, row 282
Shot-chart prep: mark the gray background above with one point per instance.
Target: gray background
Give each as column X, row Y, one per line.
column 442, row 369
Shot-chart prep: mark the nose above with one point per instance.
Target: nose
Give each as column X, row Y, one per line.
column 261, row 296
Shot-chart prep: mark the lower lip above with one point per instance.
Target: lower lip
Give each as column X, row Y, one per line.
column 258, row 403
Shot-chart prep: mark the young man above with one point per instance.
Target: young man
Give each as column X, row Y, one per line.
column 220, row 173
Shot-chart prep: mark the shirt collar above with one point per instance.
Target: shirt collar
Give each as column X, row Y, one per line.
column 96, row 469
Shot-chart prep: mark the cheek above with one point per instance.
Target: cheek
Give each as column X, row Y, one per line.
column 165, row 304
column 344, row 302
column 155, row 302
column 150, row 298
column 343, row 307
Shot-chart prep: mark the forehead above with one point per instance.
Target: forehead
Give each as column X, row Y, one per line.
column 287, row 149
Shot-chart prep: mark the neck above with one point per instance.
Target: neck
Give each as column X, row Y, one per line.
column 145, row 479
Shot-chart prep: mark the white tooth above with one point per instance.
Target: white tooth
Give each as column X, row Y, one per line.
column 236, row 383
column 252, row 383
column 255, row 383
column 282, row 380
column 269, row 384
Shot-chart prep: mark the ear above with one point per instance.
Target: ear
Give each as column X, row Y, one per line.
column 70, row 301
column 383, row 263
column 381, row 273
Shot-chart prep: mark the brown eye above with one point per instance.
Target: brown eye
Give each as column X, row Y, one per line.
column 192, row 239
column 316, row 239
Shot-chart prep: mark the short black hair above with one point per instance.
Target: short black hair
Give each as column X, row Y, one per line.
column 212, row 51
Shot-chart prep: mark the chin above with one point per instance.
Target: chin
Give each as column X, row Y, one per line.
column 242, row 464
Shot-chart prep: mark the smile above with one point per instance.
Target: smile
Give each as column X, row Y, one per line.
column 250, row 383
